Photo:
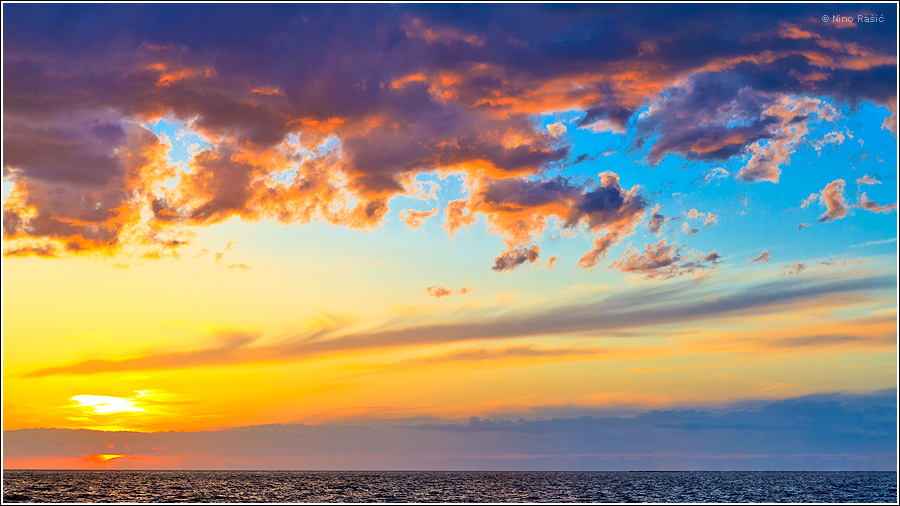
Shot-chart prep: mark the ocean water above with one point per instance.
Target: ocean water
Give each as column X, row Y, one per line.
column 446, row 486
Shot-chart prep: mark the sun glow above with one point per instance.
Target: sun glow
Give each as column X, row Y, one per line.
column 103, row 404
column 104, row 457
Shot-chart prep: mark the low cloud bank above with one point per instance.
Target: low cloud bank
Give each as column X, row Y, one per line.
column 837, row 431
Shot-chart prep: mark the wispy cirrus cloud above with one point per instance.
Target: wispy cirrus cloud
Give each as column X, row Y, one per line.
column 670, row 303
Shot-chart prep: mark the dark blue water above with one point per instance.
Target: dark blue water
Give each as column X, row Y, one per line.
column 423, row 486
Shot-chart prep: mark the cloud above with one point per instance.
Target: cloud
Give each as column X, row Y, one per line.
column 829, row 138
column 71, row 180
column 556, row 129
column 867, row 180
column 414, row 219
column 507, row 353
column 714, row 174
column 802, row 226
column 875, row 243
column 710, row 218
column 826, row 432
column 843, row 261
column 223, row 352
column 584, row 157
column 793, row 115
column 551, row 262
column 440, row 291
column 870, row 205
column 813, row 197
column 242, row 267
column 417, row 89
column 40, row 251
column 763, row 257
column 684, row 301
column 520, row 209
column 604, row 125
column 611, row 207
column 657, row 221
column 687, row 229
column 455, row 216
column 715, row 116
column 836, row 206
column 832, row 196
column 431, row 34
column 228, row 246
column 793, row 268
column 890, row 123
column 688, row 123
column 511, row 259
column 664, row 261
column 831, row 410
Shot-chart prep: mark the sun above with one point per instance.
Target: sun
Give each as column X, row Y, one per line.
column 103, row 404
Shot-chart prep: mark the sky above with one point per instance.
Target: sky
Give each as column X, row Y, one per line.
column 441, row 236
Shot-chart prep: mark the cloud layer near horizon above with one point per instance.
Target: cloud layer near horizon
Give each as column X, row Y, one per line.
column 821, row 432
column 303, row 124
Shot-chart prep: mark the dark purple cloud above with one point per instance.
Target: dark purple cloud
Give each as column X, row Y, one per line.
column 510, row 260
column 398, row 90
column 521, row 209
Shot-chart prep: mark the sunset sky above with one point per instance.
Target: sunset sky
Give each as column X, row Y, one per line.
column 450, row 236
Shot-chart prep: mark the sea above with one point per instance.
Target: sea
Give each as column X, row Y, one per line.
column 123, row 486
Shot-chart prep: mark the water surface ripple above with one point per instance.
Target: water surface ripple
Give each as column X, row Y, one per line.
column 445, row 486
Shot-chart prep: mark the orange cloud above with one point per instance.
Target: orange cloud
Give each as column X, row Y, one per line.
column 418, row 28
column 267, row 91
column 456, row 215
column 170, row 74
column 440, row 291
column 414, row 219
